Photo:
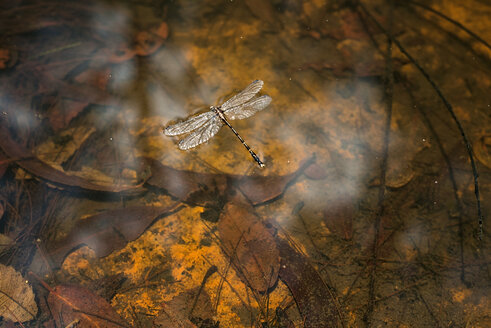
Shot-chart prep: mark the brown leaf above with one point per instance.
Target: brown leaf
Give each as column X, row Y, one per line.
column 185, row 185
column 71, row 303
column 250, row 245
column 24, row 158
column 107, row 286
column 108, row 231
column 202, row 188
column 16, row 297
column 176, row 312
column 314, row 299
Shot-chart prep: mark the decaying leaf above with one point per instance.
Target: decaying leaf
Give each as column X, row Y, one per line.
column 71, row 303
column 179, row 312
column 107, row 286
column 202, row 188
column 26, row 160
column 108, row 231
column 185, row 184
column 16, row 297
column 314, row 299
column 249, row 244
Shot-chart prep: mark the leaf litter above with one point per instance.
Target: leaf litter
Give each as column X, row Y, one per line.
column 17, row 301
column 367, row 254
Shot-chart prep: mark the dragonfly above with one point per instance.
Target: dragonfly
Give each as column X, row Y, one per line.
column 203, row 127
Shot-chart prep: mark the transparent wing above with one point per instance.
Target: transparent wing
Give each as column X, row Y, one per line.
column 244, row 95
column 189, row 125
column 248, row 109
column 201, row 135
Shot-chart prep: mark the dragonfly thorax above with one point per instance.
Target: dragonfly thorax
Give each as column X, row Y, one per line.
column 218, row 111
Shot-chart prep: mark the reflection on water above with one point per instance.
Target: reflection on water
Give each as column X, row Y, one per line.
column 364, row 215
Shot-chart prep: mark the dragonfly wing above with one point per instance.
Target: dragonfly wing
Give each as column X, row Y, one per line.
column 203, row 134
column 248, row 109
column 189, row 125
column 243, row 96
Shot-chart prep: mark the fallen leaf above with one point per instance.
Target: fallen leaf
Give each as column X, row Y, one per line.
column 205, row 188
column 16, row 297
column 26, row 160
column 177, row 312
column 185, row 185
column 107, row 286
column 70, row 303
column 315, row 301
column 108, row 231
column 249, row 244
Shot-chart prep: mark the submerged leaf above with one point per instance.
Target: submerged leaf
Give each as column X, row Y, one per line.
column 26, row 160
column 16, row 297
column 250, row 245
column 186, row 185
column 313, row 297
column 177, row 312
column 72, row 303
column 108, row 231
column 204, row 188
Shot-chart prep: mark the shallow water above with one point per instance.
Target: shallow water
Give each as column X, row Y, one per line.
column 364, row 215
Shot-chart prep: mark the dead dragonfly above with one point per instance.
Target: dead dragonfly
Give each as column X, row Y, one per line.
column 206, row 125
